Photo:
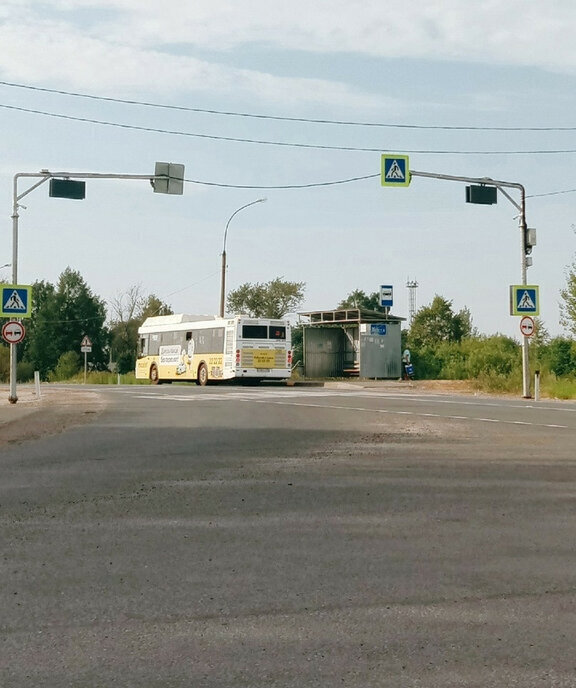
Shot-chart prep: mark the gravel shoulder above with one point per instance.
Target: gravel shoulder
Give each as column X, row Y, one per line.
column 55, row 411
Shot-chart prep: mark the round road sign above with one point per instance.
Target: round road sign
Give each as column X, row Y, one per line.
column 13, row 332
column 527, row 326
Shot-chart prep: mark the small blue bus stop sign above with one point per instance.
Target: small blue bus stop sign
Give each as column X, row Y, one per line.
column 386, row 298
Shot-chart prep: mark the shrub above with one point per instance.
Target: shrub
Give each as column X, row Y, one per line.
column 25, row 371
column 68, row 365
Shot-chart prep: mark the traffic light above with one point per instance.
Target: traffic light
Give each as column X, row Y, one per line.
column 529, row 240
column 67, row 188
column 486, row 195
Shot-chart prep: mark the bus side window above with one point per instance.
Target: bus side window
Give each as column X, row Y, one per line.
column 143, row 346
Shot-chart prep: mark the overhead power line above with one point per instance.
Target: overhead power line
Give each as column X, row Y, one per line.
column 284, row 186
column 288, row 144
column 307, row 120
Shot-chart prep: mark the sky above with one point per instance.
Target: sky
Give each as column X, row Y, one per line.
column 295, row 103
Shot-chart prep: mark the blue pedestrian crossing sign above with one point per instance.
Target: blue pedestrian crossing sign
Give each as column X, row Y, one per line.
column 524, row 299
column 395, row 170
column 16, row 301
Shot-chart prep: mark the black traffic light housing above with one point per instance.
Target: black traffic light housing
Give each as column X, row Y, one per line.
column 67, row 188
column 486, row 195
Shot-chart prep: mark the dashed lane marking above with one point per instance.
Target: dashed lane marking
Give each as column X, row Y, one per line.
column 274, row 398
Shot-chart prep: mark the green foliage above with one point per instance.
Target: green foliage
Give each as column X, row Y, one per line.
column 559, row 356
column 359, row 299
column 297, row 344
column 131, row 309
column 68, row 365
column 568, row 294
column 558, row 388
column 61, row 316
column 272, row 299
column 472, row 358
column 4, row 363
column 24, row 371
column 438, row 323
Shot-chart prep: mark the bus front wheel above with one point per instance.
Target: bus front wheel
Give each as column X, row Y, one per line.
column 202, row 375
column 154, row 379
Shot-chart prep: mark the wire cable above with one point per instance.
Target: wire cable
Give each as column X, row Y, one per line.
column 287, row 144
column 306, row 120
column 283, row 186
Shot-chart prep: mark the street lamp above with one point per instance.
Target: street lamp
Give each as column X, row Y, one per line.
column 223, row 280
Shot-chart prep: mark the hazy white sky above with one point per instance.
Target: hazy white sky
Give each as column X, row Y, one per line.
column 426, row 70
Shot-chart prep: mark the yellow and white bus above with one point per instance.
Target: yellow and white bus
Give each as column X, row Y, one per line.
column 203, row 348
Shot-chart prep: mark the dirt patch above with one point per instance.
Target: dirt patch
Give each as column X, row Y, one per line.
column 446, row 386
column 55, row 411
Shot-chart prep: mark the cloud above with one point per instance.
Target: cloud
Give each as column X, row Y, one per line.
column 525, row 32
column 122, row 46
column 119, row 57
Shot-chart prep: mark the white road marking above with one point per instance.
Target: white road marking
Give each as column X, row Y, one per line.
column 279, row 397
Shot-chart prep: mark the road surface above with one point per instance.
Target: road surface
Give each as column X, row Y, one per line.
column 230, row 536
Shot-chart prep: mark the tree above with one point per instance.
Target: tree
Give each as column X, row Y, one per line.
column 568, row 294
column 272, row 299
column 80, row 314
column 130, row 310
column 438, row 323
column 40, row 347
column 359, row 299
column 61, row 317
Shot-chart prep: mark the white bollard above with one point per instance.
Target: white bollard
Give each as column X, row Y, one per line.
column 537, row 385
column 37, row 383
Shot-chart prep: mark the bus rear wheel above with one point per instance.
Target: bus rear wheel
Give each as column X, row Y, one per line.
column 154, row 379
column 202, row 375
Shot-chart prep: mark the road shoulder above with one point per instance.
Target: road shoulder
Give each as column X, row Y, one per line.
column 53, row 412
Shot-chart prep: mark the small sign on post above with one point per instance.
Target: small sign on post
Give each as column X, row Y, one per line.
column 86, row 348
column 524, row 299
column 15, row 301
column 13, row 332
column 386, row 295
column 86, row 345
column 527, row 326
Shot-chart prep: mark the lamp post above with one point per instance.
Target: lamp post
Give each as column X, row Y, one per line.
column 223, row 278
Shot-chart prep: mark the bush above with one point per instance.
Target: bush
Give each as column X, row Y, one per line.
column 489, row 357
column 68, row 365
column 4, row 363
column 25, row 371
column 559, row 356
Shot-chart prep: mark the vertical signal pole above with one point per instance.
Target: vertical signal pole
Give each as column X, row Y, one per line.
column 500, row 186
column 168, row 178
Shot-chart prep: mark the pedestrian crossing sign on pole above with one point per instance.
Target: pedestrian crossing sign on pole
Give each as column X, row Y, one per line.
column 524, row 299
column 16, row 301
column 395, row 170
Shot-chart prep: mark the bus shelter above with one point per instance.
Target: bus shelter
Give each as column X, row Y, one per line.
column 352, row 342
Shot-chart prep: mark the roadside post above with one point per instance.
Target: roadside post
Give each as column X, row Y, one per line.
column 86, row 348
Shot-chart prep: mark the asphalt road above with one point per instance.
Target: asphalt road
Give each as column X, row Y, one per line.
column 228, row 537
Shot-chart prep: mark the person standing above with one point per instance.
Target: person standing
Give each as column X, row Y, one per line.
column 407, row 368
